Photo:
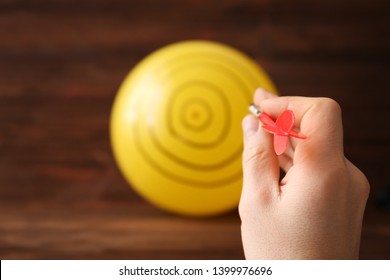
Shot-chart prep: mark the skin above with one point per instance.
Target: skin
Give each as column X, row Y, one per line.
column 316, row 210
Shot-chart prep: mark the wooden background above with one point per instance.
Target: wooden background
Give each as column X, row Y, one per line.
column 61, row 62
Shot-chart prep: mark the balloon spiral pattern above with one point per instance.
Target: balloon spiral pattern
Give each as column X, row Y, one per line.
column 176, row 125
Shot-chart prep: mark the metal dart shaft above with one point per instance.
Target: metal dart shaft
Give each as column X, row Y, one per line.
column 254, row 109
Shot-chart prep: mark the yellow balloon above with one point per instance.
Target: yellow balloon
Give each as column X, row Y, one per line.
column 176, row 126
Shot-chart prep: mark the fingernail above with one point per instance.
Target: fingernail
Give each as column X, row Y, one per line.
column 260, row 90
column 250, row 125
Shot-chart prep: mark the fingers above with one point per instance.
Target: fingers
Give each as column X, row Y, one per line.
column 261, row 94
column 285, row 160
column 318, row 118
column 260, row 163
column 313, row 112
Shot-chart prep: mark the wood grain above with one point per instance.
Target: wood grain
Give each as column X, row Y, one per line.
column 61, row 63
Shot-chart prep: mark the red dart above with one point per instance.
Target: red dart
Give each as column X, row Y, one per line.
column 281, row 129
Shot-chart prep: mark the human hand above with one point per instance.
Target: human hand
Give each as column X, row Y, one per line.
column 316, row 210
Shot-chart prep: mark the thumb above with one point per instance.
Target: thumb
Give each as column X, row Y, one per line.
column 259, row 161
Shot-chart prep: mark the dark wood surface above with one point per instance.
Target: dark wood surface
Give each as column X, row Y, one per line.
column 61, row 62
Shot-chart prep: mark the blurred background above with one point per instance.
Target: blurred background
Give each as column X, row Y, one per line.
column 61, row 63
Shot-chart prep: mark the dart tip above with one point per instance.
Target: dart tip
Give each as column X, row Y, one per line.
column 254, row 110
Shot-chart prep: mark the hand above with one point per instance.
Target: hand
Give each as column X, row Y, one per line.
column 316, row 210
